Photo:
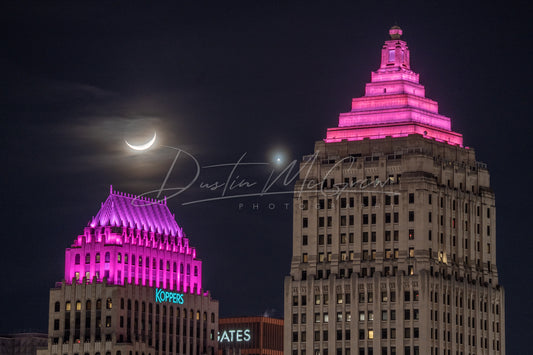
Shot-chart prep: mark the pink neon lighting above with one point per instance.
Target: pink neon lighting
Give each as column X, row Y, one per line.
column 140, row 244
column 394, row 103
column 121, row 209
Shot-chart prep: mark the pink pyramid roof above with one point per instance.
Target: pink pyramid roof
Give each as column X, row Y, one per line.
column 126, row 210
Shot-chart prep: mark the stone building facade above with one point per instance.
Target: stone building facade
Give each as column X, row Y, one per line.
column 133, row 286
column 394, row 232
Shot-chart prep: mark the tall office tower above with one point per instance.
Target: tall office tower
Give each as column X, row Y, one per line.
column 133, row 286
column 394, row 236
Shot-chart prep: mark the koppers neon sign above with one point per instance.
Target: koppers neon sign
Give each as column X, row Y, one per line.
column 170, row 297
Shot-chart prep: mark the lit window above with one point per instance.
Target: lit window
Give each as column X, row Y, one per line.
column 411, row 252
column 78, row 306
column 97, row 258
column 326, row 318
column 384, row 297
column 304, row 257
column 109, row 304
column 119, row 258
column 361, row 316
column 370, row 334
column 339, row 298
column 317, row 317
column 317, row 299
column 67, row 306
column 370, row 316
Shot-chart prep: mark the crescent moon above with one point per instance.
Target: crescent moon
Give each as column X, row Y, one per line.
column 142, row 146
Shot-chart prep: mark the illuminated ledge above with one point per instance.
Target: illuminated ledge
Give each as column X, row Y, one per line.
column 393, row 116
column 338, row 134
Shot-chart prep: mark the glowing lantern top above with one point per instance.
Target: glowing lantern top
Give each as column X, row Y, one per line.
column 394, row 104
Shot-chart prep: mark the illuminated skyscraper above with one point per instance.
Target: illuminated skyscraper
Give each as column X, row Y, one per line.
column 394, row 231
column 133, row 286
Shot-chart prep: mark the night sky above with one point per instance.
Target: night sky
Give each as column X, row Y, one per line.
column 222, row 80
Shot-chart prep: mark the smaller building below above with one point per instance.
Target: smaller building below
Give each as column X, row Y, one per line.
column 250, row 336
column 22, row 343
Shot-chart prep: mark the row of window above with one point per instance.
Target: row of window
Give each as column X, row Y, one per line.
column 88, row 305
column 363, row 316
column 408, row 350
column 350, row 219
column 343, row 273
column 363, row 297
column 390, row 254
column 387, row 271
column 446, row 336
column 365, row 237
column 389, row 200
column 109, row 305
column 470, row 303
column 386, row 333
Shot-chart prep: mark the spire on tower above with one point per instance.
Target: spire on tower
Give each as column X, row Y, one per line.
column 394, row 104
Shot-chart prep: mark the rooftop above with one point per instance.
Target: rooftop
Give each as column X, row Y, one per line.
column 127, row 210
